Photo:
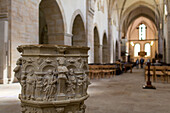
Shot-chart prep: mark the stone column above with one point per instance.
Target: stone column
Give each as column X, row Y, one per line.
column 111, row 41
column 60, row 39
column 54, row 79
column 3, row 51
column 90, row 27
column 168, row 39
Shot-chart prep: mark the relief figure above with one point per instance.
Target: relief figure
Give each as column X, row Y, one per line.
column 39, row 88
column 50, row 85
column 71, row 84
column 17, row 69
column 30, row 89
column 23, row 85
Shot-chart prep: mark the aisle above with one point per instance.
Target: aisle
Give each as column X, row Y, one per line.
column 121, row 94
column 124, row 94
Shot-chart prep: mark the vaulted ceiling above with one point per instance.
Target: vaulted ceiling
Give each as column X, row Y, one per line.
column 129, row 10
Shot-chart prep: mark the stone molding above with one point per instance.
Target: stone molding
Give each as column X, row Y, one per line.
column 3, row 15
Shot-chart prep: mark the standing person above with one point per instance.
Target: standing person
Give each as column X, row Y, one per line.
column 137, row 63
column 141, row 62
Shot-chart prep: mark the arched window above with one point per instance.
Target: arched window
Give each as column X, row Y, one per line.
column 148, row 49
column 136, row 49
column 142, row 32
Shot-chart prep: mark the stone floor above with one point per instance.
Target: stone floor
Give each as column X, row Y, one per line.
column 120, row 94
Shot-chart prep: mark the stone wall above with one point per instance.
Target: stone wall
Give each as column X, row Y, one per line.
column 4, row 6
column 24, row 25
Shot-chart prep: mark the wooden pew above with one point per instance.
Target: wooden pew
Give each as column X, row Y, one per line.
column 94, row 71
column 160, row 71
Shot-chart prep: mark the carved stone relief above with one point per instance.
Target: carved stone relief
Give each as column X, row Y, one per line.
column 48, row 81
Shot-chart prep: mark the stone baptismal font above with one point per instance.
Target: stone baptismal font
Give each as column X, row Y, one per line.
column 54, row 79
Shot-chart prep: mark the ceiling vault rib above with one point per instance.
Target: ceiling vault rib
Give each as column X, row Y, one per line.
column 124, row 2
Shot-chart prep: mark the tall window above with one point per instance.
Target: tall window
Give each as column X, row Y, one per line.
column 136, row 49
column 142, row 32
column 148, row 49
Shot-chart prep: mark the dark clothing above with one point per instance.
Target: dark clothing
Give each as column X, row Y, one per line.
column 141, row 62
column 153, row 60
column 137, row 63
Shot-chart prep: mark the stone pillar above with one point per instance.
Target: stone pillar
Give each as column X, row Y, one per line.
column 111, row 41
column 54, row 79
column 60, row 39
column 90, row 28
column 3, row 51
column 168, row 39
column 100, row 53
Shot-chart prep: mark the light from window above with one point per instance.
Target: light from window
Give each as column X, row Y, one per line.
column 148, row 49
column 142, row 32
column 136, row 49
column 165, row 10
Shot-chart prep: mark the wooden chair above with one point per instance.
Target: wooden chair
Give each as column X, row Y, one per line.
column 112, row 69
column 119, row 64
column 160, row 71
column 152, row 72
column 94, row 71
column 106, row 72
column 128, row 66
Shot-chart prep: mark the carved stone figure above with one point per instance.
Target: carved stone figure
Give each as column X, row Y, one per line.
column 50, row 85
column 33, row 110
column 30, row 89
column 39, row 88
column 52, row 78
column 17, row 69
column 62, row 76
column 82, row 108
column 23, row 85
column 23, row 109
column 60, row 110
column 71, row 84
column 86, row 83
column 80, row 85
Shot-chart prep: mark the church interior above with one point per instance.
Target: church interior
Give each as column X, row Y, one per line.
column 84, row 56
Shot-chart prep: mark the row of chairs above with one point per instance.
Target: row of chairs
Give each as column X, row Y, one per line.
column 158, row 72
column 101, row 71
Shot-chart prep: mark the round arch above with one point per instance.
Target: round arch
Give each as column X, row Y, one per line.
column 105, row 51
column 52, row 24
column 75, row 14
column 137, row 48
column 78, row 32
column 147, row 47
column 96, row 46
